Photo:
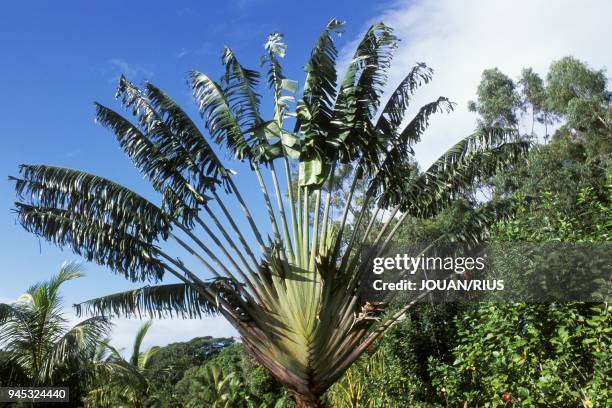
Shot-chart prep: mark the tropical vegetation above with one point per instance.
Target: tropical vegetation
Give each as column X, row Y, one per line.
column 294, row 295
column 40, row 348
column 121, row 382
column 293, row 282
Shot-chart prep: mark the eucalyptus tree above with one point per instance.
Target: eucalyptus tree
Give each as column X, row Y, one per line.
column 498, row 99
column 290, row 282
column 568, row 79
column 533, row 94
column 37, row 338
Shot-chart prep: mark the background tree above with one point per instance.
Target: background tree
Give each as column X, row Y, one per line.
column 553, row 354
column 498, row 99
column 517, row 354
column 569, row 78
column 170, row 363
column 535, row 354
column 533, row 95
column 258, row 384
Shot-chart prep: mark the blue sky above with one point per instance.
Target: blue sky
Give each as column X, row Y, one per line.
column 60, row 57
column 57, row 58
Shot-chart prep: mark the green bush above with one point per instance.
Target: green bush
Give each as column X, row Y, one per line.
column 249, row 384
column 534, row 355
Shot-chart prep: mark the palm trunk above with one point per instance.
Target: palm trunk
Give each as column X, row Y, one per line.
column 307, row 401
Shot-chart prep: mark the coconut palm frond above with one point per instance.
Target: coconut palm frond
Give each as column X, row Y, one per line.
column 140, row 334
column 145, row 357
column 37, row 337
column 77, row 343
column 121, row 382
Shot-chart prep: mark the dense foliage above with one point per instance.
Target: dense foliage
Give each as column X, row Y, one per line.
column 248, row 385
column 499, row 354
column 170, row 363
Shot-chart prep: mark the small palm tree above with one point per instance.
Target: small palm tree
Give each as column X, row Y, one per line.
column 219, row 390
column 37, row 338
column 355, row 389
column 295, row 295
column 121, row 382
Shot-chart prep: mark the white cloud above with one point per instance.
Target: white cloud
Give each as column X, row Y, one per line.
column 117, row 66
column 163, row 331
column 459, row 39
column 205, row 49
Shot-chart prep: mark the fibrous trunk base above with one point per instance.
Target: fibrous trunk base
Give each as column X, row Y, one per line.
column 307, row 401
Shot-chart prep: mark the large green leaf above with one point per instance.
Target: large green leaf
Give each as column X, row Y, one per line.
column 316, row 106
column 219, row 118
column 163, row 173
